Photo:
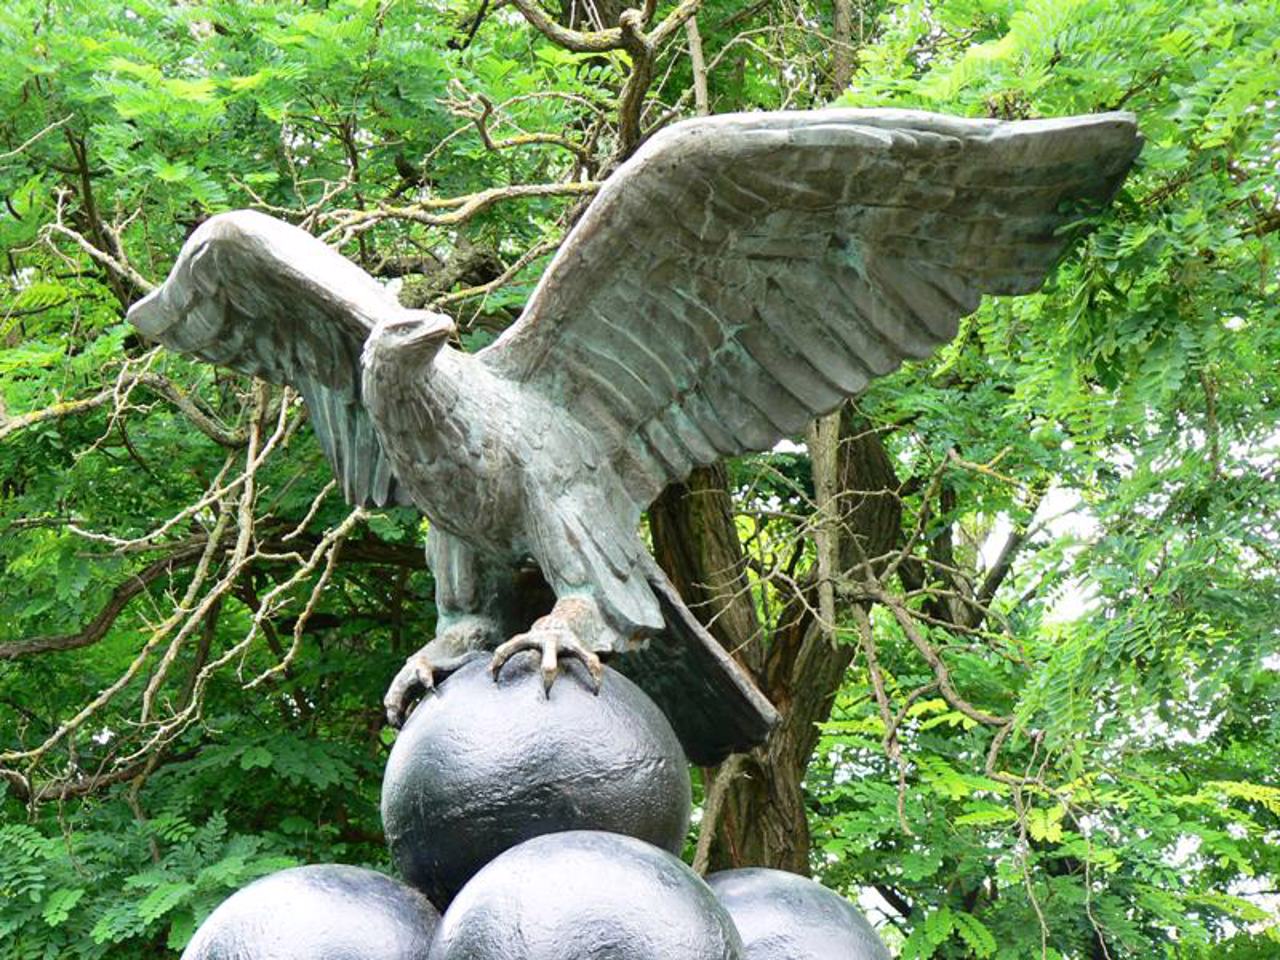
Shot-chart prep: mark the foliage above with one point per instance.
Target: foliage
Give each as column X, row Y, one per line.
column 1138, row 391
column 1118, row 431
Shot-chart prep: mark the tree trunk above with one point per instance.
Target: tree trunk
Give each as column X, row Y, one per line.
column 696, row 542
column 756, row 813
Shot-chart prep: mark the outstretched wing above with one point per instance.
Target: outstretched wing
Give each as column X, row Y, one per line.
column 263, row 297
column 744, row 273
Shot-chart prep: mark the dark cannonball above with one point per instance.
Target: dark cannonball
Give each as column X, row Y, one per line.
column 782, row 916
column 323, row 912
column 584, row 894
column 482, row 766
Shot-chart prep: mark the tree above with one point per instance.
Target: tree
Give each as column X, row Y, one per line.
column 195, row 632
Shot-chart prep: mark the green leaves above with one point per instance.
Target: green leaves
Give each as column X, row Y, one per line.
column 1142, row 379
column 1045, row 823
column 984, row 814
column 1266, row 795
column 975, row 934
column 255, row 757
column 1135, row 394
column 60, row 904
column 111, row 892
column 944, row 925
column 163, row 898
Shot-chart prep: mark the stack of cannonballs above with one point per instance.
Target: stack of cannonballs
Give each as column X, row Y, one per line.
column 544, row 827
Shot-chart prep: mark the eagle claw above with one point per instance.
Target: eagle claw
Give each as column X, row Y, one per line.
column 414, row 680
column 551, row 642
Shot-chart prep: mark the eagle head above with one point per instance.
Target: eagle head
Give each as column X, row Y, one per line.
column 414, row 335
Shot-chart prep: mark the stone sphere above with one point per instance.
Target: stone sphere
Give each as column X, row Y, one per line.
column 782, row 916
column 322, row 912
column 571, row 896
column 482, row 766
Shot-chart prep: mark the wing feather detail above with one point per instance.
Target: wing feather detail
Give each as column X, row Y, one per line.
column 742, row 274
column 265, row 298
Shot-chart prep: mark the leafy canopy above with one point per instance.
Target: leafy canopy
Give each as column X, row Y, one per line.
column 203, row 706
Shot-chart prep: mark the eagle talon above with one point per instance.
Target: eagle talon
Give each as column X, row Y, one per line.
column 414, row 680
column 551, row 643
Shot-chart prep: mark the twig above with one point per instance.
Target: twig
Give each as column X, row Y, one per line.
column 823, row 439
column 312, row 600
column 526, row 258
column 698, row 63
column 97, row 628
column 349, row 223
column 480, row 110
column 713, row 802
column 118, row 267
column 9, row 155
column 596, row 41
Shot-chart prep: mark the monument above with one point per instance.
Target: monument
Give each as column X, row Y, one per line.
column 485, row 766
column 322, row 912
column 782, row 916
column 736, row 277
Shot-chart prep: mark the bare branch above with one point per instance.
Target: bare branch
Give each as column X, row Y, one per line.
column 300, row 624
column 116, row 266
column 215, row 494
column 823, row 439
column 97, row 628
column 79, row 786
column 716, row 793
column 698, row 64
column 526, row 258
column 842, row 27
column 480, row 110
column 233, row 439
column 596, row 41
column 350, row 223
column 182, row 719
column 107, row 695
column 1003, row 565
column 9, row 155
column 926, row 650
column 56, row 411
column 673, row 21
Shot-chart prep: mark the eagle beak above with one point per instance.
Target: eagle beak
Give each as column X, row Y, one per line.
column 412, row 335
column 420, row 330
column 432, row 327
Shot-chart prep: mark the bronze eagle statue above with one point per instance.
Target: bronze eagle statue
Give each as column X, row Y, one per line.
column 736, row 277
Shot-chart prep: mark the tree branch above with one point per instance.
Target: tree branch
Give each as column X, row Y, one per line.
column 895, row 899
column 480, row 110
column 9, row 155
column 161, row 385
column 97, row 628
column 596, row 41
column 698, row 64
column 999, row 572
column 117, row 268
column 349, row 223
column 28, row 792
column 56, row 411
